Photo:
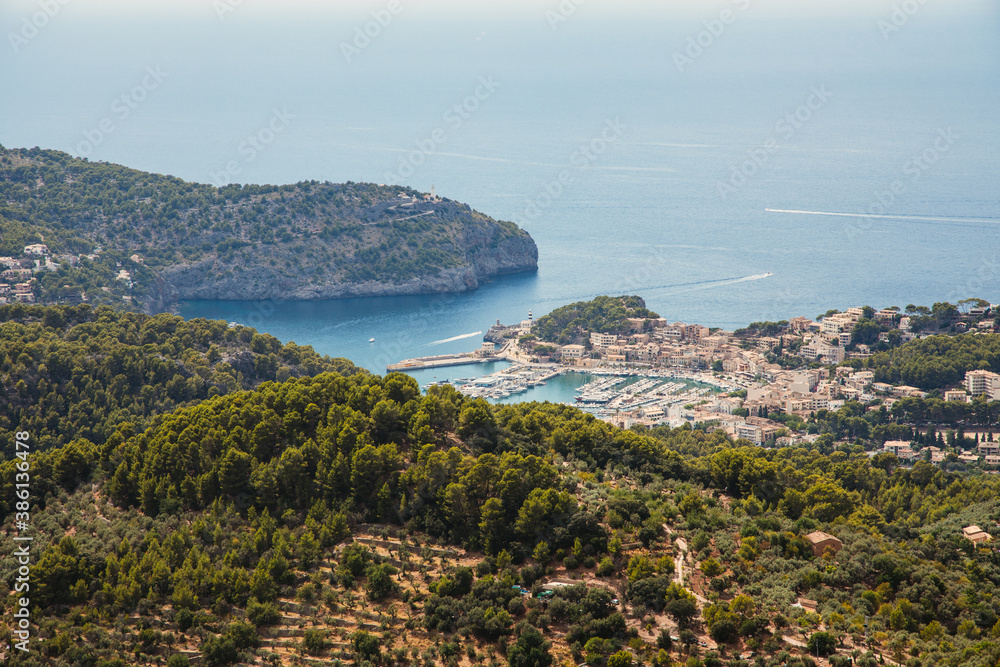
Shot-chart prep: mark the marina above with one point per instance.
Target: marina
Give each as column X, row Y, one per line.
column 600, row 392
column 652, row 396
column 516, row 379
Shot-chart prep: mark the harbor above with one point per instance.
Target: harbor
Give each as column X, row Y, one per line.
column 602, row 392
column 657, row 396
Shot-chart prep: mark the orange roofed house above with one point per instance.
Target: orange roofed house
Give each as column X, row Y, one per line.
column 976, row 535
column 821, row 541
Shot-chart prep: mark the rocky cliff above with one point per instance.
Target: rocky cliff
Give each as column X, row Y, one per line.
column 151, row 240
column 260, row 282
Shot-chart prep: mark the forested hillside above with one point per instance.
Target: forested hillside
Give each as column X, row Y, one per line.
column 935, row 362
column 345, row 516
column 307, row 240
column 604, row 314
column 73, row 372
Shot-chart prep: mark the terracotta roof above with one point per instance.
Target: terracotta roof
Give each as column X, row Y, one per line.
column 819, row 536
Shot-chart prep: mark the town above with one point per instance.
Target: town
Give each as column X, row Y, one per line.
column 765, row 384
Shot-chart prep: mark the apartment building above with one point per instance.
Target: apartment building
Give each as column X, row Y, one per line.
column 636, row 324
column 988, row 449
column 981, row 382
column 885, row 316
column 827, row 354
column 751, row 432
column 840, row 322
column 695, row 332
column 672, row 331
column 602, row 340
column 900, row 448
column 799, row 324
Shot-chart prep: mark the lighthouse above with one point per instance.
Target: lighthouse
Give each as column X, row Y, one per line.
column 527, row 324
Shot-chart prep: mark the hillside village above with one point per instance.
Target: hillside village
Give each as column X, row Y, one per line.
column 20, row 277
column 17, row 273
column 787, row 373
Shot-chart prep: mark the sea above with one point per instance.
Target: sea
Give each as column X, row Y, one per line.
column 729, row 162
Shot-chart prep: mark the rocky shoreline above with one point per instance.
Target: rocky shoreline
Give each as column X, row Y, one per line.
column 260, row 283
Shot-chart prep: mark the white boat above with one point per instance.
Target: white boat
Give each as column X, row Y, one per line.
column 371, row 340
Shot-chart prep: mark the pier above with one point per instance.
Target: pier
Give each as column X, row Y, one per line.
column 441, row 361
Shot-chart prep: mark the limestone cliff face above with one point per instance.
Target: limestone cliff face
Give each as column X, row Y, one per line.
column 488, row 250
column 492, row 256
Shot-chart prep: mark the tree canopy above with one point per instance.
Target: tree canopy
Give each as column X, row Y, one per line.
column 604, row 314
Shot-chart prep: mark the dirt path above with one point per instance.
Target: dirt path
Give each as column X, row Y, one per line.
column 680, row 563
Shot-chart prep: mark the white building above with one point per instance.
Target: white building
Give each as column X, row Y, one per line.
column 751, row 432
column 980, row 382
column 36, row 249
column 602, row 340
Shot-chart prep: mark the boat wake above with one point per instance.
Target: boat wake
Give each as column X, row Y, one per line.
column 454, row 338
column 759, row 276
column 722, row 283
column 697, row 285
column 917, row 218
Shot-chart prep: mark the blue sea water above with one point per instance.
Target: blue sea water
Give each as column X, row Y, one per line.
column 705, row 186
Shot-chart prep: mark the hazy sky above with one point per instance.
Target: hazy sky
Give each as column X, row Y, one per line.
column 581, row 8
column 228, row 63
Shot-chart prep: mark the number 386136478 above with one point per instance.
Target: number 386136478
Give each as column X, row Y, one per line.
column 21, row 478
